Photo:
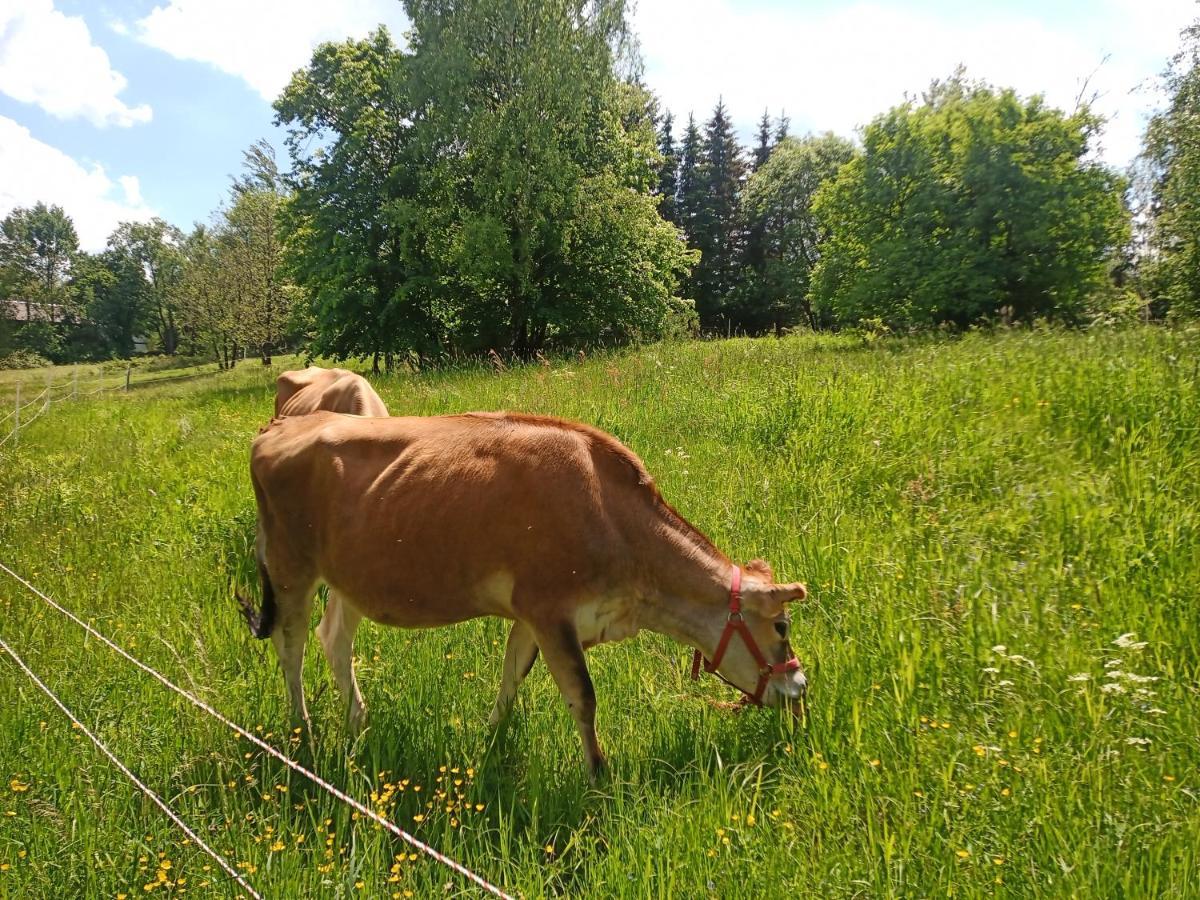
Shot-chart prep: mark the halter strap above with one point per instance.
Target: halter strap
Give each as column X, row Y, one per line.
column 735, row 623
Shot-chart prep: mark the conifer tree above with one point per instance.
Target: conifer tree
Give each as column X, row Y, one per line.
column 719, row 235
column 689, row 194
column 763, row 149
column 668, row 170
column 781, row 127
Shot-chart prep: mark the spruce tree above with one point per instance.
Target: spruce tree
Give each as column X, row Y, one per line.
column 668, row 170
column 719, row 235
column 689, row 194
column 763, row 149
column 781, row 127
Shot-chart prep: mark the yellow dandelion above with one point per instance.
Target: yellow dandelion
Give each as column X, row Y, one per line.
column 4, row 867
column 418, row 818
column 822, row 765
column 750, row 820
column 998, row 860
column 277, row 846
column 549, row 848
column 875, row 764
column 962, row 854
column 1168, row 778
column 17, row 786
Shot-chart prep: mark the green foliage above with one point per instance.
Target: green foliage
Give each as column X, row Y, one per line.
column 154, row 248
column 351, row 224
column 37, row 246
column 716, row 228
column 23, row 359
column 785, row 235
column 112, row 291
column 982, row 523
column 668, row 170
column 459, row 188
column 1170, row 187
column 971, row 203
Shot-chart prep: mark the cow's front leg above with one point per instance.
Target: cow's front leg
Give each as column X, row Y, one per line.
column 519, row 656
column 563, row 653
column 336, row 632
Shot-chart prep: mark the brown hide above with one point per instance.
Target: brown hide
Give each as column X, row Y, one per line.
column 305, row 391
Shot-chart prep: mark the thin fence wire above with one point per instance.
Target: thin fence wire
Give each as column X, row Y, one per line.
column 263, row 745
column 158, row 801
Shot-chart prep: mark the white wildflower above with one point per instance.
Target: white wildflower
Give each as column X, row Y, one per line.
column 1140, row 679
column 1001, row 649
column 1155, row 711
column 1080, row 676
column 1024, row 660
column 991, row 670
column 1114, row 687
column 1111, row 663
column 1114, row 674
column 1138, row 741
column 1127, row 642
column 1004, row 683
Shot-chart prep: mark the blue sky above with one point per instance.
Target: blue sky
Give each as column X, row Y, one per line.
column 125, row 109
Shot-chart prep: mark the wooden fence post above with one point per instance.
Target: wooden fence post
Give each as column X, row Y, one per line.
column 128, row 369
column 46, row 405
column 17, row 415
column 75, row 384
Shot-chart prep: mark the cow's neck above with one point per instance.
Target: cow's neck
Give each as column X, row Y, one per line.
column 685, row 591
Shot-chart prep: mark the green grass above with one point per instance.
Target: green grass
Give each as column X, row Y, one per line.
column 979, row 521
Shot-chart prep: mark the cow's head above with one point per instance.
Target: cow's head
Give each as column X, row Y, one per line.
column 765, row 614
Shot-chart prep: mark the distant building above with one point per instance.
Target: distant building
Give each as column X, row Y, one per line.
column 33, row 311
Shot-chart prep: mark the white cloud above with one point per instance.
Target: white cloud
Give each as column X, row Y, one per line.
column 261, row 41
column 835, row 69
column 31, row 170
column 48, row 59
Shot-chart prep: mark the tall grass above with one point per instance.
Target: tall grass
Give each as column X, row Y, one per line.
column 1000, row 534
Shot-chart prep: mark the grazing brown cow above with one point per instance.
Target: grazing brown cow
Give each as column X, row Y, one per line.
column 305, row 391
column 419, row 522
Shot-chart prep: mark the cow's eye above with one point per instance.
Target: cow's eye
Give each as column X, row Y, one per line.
column 781, row 628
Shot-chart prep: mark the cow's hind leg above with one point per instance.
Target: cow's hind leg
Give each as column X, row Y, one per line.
column 289, row 635
column 519, row 656
column 563, row 653
column 336, row 632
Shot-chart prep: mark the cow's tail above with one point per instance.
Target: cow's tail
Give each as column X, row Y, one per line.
column 261, row 621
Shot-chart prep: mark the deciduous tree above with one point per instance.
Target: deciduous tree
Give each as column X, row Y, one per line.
column 972, row 202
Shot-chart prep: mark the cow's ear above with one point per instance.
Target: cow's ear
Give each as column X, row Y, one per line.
column 761, row 569
column 770, row 600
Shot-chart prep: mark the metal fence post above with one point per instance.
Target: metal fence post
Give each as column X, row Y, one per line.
column 128, row 369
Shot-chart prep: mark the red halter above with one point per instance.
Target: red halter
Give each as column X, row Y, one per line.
column 736, row 623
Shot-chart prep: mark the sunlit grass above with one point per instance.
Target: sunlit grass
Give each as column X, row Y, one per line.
column 1000, row 534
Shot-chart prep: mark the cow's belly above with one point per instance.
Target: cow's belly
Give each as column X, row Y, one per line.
column 417, row 600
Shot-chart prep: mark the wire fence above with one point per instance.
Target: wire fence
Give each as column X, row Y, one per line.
column 124, row 769
column 316, row 779
column 46, row 399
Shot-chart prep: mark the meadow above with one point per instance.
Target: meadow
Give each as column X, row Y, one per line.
column 1001, row 535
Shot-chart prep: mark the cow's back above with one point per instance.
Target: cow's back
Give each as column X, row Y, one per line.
column 449, row 511
column 305, row 391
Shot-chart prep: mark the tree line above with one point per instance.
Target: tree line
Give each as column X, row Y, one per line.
column 507, row 182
